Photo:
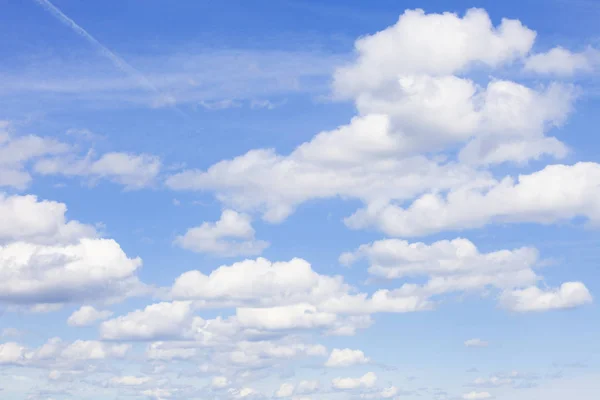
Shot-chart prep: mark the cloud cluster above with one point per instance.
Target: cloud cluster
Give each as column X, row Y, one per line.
column 46, row 259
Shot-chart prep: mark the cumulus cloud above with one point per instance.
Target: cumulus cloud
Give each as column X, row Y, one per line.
column 157, row 321
column 366, row 381
column 232, row 235
column 568, row 295
column 561, row 61
column 292, row 291
column 555, row 193
column 219, row 382
column 346, row 358
column 87, row 315
column 399, row 78
column 47, row 260
column 18, row 151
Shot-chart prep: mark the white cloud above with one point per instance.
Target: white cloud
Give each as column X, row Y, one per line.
column 285, row 390
column 92, row 270
column 346, row 358
column 435, row 44
column 134, row 171
column 38, row 221
column 157, row 321
column 477, row 396
column 87, row 315
column 16, row 152
column 259, row 281
column 553, row 194
column 130, row 380
column 386, row 393
column 493, row 381
column 450, row 266
column 290, row 287
column 219, row 382
column 476, row 343
column 11, row 353
column 366, row 381
column 157, row 394
column 561, row 61
column 568, row 295
column 232, row 235
column 284, row 317
column 379, row 156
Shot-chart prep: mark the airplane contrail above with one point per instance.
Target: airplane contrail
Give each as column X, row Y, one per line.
column 114, row 58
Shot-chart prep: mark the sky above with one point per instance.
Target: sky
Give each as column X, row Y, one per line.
column 299, row 199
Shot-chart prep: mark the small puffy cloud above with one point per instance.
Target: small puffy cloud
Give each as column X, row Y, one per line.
column 134, row 171
column 568, row 295
column 561, row 61
column 346, row 358
column 87, row 315
column 231, row 236
column 130, row 380
column 476, row 396
column 219, row 382
column 476, row 343
column 11, row 353
column 157, row 321
column 26, row 218
column 285, row 390
column 366, row 381
column 17, row 152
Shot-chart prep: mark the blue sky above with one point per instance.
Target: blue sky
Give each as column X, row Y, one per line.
column 299, row 200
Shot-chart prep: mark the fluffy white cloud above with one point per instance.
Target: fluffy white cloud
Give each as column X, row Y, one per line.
column 87, row 315
column 555, row 193
column 91, row 270
column 560, row 61
column 476, row 343
column 395, row 258
column 346, row 358
column 285, row 390
column 25, row 218
column 11, row 353
column 232, row 235
column 16, row 152
column 568, row 295
column 435, row 44
column 260, row 281
column 477, row 396
column 366, row 381
column 281, row 290
column 47, row 260
column 157, row 321
column 285, row 317
column 400, row 77
column 219, row 382
column 134, row 171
